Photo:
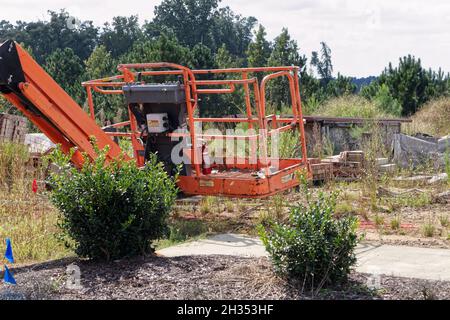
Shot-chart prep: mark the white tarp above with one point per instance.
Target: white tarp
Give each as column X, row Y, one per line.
column 38, row 142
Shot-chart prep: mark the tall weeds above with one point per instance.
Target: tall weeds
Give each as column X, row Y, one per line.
column 25, row 217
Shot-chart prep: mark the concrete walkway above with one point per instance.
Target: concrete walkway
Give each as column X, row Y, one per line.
column 400, row 261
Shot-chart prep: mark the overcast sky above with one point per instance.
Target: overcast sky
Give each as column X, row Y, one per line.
column 364, row 35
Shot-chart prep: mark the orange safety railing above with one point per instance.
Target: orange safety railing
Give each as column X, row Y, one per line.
column 195, row 87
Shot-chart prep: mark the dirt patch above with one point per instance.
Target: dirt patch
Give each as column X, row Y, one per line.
column 209, row 277
column 412, row 222
column 395, row 220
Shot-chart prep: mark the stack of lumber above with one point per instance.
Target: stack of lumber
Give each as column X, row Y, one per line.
column 12, row 128
column 321, row 171
column 349, row 165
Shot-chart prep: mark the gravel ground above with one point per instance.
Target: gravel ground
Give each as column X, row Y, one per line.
column 210, row 277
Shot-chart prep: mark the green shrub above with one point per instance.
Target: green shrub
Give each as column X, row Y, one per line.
column 313, row 247
column 112, row 210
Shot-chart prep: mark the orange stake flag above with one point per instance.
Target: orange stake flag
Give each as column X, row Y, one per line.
column 34, row 186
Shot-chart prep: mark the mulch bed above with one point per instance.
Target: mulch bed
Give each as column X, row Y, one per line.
column 206, row 277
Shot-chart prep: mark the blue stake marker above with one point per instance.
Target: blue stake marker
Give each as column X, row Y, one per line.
column 8, row 277
column 8, row 253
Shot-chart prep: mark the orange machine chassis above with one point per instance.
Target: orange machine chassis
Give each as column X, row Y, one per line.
column 236, row 180
column 57, row 115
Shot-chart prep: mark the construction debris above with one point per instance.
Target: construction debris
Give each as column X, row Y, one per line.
column 411, row 151
column 443, row 197
column 438, row 178
column 38, row 143
column 422, row 179
column 444, row 144
column 383, row 192
column 348, row 165
column 387, row 168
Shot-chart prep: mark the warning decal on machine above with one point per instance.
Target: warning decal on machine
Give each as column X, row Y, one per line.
column 153, row 123
column 207, row 183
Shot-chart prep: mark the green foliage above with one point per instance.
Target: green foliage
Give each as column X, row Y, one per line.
column 386, row 102
column 44, row 37
column 410, row 84
column 99, row 65
column 119, row 36
column 66, row 69
column 323, row 64
column 202, row 21
column 258, row 52
column 166, row 48
column 232, row 103
column 189, row 20
column 340, row 86
column 379, row 221
column 202, row 57
column 112, row 211
column 208, row 205
column 202, row 34
column 313, row 246
column 285, row 53
column 326, row 87
column 224, row 59
column 233, row 30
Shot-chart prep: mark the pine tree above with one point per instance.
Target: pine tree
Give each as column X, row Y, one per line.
column 408, row 83
column 224, row 59
column 323, row 64
column 66, row 69
column 100, row 65
column 258, row 52
column 285, row 53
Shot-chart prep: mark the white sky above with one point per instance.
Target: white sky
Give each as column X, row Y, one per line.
column 364, row 35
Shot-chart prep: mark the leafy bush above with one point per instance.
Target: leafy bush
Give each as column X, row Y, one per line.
column 313, row 247
column 112, row 210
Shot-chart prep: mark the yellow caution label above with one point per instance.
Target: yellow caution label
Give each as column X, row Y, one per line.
column 153, row 123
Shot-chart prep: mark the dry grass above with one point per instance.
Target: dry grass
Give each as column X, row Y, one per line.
column 351, row 106
column 27, row 218
column 433, row 118
column 429, row 229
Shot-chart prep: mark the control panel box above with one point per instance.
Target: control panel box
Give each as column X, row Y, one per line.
column 157, row 122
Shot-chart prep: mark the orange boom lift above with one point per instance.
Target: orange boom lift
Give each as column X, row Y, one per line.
column 164, row 118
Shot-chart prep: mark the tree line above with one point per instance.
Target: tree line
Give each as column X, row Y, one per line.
column 201, row 34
